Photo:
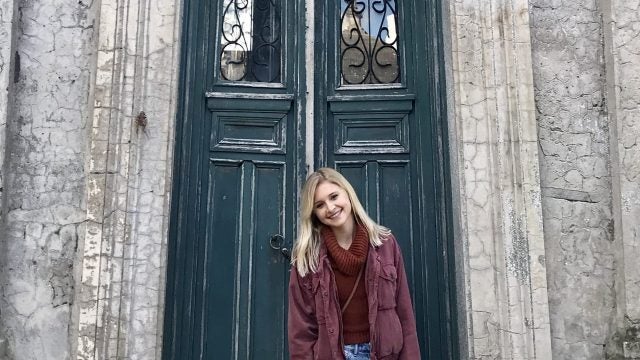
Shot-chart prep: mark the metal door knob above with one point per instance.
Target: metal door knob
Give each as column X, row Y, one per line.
column 277, row 242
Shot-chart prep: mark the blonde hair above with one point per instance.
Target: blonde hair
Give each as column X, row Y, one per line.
column 306, row 251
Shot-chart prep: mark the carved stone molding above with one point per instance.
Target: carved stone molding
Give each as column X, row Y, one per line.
column 121, row 291
column 499, row 185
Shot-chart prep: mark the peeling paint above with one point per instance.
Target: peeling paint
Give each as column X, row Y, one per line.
column 518, row 257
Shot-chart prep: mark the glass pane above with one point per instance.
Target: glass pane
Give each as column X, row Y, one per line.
column 369, row 42
column 250, row 41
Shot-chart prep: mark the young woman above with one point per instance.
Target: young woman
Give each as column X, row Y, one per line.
column 348, row 292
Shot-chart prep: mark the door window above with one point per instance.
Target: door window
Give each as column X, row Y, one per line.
column 250, row 41
column 369, row 42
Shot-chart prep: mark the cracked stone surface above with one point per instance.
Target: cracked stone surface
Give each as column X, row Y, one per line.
column 622, row 24
column 573, row 129
column 44, row 184
column 506, row 292
column 626, row 58
column 121, row 296
column 6, row 32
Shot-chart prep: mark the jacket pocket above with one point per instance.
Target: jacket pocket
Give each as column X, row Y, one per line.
column 389, row 336
column 322, row 348
column 389, row 357
column 387, row 285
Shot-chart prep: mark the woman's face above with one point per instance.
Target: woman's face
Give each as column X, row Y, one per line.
column 331, row 205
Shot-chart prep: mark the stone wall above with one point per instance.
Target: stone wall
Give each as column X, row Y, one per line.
column 583, row 61
column 44, row 183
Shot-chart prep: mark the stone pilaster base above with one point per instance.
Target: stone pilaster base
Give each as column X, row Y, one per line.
column 624, row 344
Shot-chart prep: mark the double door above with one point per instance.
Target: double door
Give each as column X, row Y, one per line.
column 271, row 89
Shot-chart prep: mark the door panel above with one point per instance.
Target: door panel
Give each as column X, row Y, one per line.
column 244, row 276
column 250, row 201
column 225, row 202
column 376, row 126
column 255, row 125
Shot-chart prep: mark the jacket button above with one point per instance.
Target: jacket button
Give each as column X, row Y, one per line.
column 325, row 294
column 330, row 331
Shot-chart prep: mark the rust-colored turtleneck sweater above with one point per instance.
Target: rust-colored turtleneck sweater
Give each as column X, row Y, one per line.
column 346, row 264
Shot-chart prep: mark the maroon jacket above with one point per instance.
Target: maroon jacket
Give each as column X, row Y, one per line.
column 315, row 325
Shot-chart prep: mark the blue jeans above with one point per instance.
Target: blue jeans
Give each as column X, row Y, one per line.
column 357, row 351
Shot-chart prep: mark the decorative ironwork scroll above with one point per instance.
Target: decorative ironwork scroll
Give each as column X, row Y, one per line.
column 369, row 42
column 251, row 48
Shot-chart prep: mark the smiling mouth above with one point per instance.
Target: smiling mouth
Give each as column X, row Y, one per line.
column 334, row 215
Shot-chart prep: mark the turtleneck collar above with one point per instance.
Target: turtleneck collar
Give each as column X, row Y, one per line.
column 348, row 261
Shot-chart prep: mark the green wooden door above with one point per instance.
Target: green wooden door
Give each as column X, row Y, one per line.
column 242, row 151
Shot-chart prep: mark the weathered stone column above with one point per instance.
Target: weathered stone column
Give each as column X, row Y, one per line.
column 7, row 54
column 44, row 98
column 622, row 56
column 496, row 149
column 123, row 264
column 7, row 49
column 573, row 132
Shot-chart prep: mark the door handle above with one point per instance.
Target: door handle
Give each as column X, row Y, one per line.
column 277, row 242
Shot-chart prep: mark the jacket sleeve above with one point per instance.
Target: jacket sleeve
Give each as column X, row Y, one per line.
column 410, row 349
column 302, row 324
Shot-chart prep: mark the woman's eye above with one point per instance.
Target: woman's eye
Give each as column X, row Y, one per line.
column 334, row 196
column 318, row 206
